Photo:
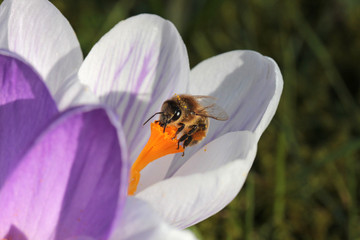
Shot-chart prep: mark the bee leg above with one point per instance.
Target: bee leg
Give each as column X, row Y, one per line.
column 187, row 140
column 183, row 138
column 193, row 130
column 179, row 130
column 187, row 137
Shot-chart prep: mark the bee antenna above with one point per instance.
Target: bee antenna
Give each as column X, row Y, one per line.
column 152, row 117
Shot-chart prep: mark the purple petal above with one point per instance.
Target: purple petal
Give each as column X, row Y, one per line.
column 70, row 182
column 25, row 109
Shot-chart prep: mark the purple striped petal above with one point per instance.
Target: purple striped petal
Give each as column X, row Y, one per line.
column 39, row 33
column 71, row 182
column 26, row 107
column 136, row 66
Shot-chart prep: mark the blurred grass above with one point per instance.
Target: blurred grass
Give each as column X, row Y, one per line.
column 304, row 183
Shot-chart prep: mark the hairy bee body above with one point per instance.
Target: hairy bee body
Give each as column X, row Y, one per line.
column 191, row 125
column 190, row 115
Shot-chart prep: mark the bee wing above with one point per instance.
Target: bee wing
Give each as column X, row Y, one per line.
column 210, row 108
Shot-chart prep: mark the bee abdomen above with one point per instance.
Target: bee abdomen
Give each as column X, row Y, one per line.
column 198, row 136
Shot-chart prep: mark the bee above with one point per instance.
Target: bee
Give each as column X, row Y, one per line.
column 190, row 115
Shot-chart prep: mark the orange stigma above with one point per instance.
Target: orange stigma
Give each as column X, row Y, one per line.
column 159, row 144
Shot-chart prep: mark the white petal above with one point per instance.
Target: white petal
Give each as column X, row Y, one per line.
column 73, row 93
column 184, row 199
column 274, row 102
column 40, row 34
column 246, row 84
column 140, row 63
column 139, row 221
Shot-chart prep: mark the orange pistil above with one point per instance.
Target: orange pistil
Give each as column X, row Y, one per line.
column 159, row 144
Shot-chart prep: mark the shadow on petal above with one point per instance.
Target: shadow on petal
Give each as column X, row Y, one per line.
column 15, row 233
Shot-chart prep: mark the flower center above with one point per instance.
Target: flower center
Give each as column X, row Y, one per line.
column 159, row 144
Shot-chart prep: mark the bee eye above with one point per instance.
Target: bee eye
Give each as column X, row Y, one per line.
column 177, row 115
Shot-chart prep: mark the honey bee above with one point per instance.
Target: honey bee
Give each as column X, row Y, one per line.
column 190, row 115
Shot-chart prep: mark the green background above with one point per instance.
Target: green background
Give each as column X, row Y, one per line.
column 305, row 180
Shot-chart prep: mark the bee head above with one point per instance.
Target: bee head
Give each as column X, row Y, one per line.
column 170, row 113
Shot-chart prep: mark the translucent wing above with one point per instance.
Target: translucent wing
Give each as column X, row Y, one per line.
column 210, row 109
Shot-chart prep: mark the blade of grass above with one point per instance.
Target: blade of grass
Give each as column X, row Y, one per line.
column 353, row 226
column 280, row 187
column 250, row 207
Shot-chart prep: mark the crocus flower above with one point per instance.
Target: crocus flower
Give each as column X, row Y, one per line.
column 142, row 62
column 136, row 66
